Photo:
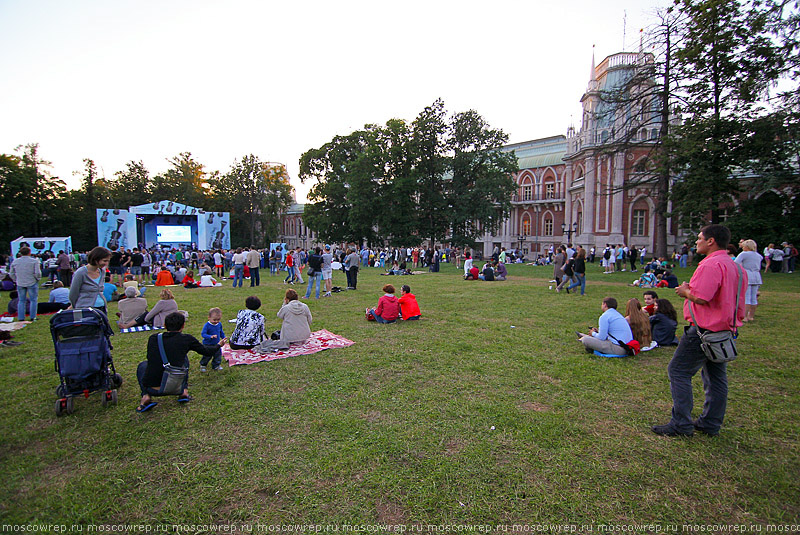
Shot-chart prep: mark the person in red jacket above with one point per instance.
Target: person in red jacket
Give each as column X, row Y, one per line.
column 408, row 304
column 388, row 309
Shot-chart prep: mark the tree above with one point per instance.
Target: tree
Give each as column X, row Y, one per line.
column 481, row 187
column 429, row 149
column 131, row 186
column 728, row 60
column 185, row 182
column 93, row 194
column 260, row 192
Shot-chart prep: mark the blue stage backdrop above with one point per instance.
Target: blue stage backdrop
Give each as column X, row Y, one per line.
column 163, row 223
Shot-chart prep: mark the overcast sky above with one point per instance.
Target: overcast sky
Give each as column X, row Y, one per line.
column 145, row 80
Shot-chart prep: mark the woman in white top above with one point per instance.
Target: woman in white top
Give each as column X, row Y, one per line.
column 751, row 264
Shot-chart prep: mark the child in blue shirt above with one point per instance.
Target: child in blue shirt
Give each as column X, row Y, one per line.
column 212, row 333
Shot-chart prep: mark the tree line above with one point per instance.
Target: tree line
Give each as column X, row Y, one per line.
column 438, row 178
column 35, row 203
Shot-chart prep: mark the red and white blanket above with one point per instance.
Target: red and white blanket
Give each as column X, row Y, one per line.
column 319, row 341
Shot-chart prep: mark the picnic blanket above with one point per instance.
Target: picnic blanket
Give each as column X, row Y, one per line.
column 139, row 329
column 319, row 341
column 609, row 355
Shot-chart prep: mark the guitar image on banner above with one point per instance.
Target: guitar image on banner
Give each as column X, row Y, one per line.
column 219, row 237
column 210, row 217
column 104, row 217
column 115, row 235
column 156, row 206
column 169, row 206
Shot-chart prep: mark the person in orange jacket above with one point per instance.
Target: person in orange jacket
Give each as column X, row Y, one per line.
column 409, row 309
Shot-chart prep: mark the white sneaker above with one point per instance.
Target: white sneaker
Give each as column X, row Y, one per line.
column 203, row 369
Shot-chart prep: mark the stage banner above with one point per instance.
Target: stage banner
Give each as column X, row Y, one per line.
column 43, row 245
column 116, row 228
column 215, row 230
column 166, row 208
column 281, row 249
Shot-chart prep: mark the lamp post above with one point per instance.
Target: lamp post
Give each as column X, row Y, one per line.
column 521, row 239
column 569, row 231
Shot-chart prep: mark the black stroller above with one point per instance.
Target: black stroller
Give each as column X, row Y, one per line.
column 83, row 357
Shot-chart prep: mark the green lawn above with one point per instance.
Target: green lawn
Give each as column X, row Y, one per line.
column 486, row 411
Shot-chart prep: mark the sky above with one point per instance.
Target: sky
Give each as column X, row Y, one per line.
column 148, row 79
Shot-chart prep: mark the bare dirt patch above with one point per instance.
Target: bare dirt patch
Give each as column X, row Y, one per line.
column 533, row 406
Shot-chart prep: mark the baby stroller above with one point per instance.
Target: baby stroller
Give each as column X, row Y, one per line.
column 83, row 357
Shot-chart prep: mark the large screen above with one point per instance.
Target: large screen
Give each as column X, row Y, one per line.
column 173, row 233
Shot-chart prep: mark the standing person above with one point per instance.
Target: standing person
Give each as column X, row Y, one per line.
column 297, row 258
column 88, row 281
column 26, row 271
column 558, row 266
column 64, row 268
column 147, row 261
column 684, row 258
column 218, row 259
column 115, row 265
column 314, row 271
column 273, row 262
column 750, row 261
column 212, row 335
column 289, row 270
column 612, row 331
column 711, row 296
column 642, row 255
column 351, row 268
column 579, row 268
column 253, row 261
column 238, row 267
column 327, row 270
column 136, row 264
column 633, row 255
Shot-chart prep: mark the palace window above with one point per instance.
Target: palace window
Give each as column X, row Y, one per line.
column 526, row 226
column 580, row 223
column 527, row 192
column 548, row 227
column 550, row 191
column 639, row 223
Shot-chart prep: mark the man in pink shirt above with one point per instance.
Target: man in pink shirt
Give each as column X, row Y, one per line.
column 711, row 294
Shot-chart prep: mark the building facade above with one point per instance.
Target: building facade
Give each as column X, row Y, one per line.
column 575, row 188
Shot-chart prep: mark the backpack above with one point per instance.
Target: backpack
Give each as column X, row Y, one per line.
column 607, row 254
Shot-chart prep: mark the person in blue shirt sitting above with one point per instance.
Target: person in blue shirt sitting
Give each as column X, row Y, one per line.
column 613, row 330
column 110, row 290
column 59, row 294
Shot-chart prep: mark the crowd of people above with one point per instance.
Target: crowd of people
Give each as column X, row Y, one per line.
column 95, row 278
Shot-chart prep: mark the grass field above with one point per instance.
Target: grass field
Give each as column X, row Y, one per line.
column 486, row 411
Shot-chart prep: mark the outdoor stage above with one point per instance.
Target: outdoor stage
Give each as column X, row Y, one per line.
column 163, row 224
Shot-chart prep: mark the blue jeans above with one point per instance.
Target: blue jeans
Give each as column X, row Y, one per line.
column 255, row 279
column 273, row 268
column 684, row 259
column 378, row 318
column 290, row 274
column 687, row 360
column 216, row 358
column 315, row 277
column 238, row 274
column 31, row 293
column 580, row 282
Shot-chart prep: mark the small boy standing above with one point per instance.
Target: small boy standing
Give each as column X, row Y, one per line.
column 212, row 334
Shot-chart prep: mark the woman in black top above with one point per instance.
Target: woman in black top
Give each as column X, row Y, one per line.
column 664, row 322
column 579, row 269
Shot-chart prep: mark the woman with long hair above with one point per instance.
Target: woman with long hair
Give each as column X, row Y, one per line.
column 163, row 308
column 639, row 322
column 664, row 322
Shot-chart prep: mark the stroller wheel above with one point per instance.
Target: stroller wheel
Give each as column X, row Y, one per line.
column 114, row 396
column 70, row 405
column 116, row 379
column 60, row 391
column 59, row 407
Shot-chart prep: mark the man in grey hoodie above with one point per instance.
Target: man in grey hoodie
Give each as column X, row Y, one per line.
column 26, row 272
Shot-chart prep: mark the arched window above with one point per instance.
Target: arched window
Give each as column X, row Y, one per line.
column 548, row 226
column 526, row 225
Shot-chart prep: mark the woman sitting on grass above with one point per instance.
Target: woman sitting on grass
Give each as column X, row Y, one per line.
column 388, row 309
column 664, row 323
column 296, row 326
column 249, row 331
column 164, row 277
column 647, row 280
column 639, row 322
column 188, row 280
column 165, row 306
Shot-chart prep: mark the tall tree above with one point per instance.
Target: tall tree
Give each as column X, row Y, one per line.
column 481, row 187
column 728, row 60
column 186, row 181
column 429, row 147
column 259, row 192
column 130, row 186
